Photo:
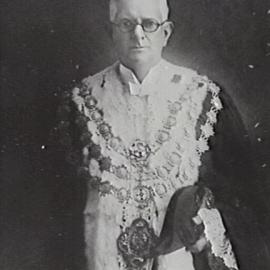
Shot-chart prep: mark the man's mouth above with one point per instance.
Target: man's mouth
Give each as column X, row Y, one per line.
column 139, row 48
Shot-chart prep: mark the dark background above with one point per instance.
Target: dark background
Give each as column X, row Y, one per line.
column 45, row 47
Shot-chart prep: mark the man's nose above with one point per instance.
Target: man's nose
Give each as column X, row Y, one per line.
column 139, row 34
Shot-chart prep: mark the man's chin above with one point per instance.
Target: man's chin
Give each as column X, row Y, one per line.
column 142, row 59
column 139, row 57
column 138, row 54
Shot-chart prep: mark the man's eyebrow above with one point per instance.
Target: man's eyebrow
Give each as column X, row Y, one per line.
column 150, row 18
column 125, row 18
column 136, row 18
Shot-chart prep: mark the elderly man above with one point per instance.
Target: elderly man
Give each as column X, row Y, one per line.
column 141, row 128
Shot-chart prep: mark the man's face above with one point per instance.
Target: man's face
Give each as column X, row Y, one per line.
column 137, row 46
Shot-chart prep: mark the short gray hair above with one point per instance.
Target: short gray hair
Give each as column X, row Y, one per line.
column 162, row 3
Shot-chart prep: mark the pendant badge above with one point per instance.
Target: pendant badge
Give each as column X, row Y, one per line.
column 136, row 243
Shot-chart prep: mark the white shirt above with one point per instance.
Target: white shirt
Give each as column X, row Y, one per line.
column 147, row 86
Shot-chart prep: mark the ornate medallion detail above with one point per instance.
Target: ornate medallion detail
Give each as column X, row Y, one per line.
column 139, row 151
column 135, row 243
column 142, row 195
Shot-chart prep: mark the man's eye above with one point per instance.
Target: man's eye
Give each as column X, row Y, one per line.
column 126, row 24
column 149, row 24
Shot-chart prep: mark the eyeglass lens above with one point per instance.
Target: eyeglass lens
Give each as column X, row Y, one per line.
column 148, row 25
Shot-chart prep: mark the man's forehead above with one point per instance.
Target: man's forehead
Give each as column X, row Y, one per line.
column 139, row 9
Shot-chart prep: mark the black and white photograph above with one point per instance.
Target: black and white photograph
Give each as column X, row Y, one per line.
column 135, row 135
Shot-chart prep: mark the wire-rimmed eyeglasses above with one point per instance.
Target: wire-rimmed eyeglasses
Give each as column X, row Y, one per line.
column 148, row 25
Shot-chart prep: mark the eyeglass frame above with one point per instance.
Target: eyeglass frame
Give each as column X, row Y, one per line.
column 158, row 25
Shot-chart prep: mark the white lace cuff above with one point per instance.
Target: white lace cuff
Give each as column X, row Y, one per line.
column 215, row 234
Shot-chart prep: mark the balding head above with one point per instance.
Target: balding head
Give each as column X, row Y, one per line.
column 114, row 6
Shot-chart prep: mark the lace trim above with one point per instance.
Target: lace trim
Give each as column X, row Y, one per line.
column 207, row 129
column 215, row 234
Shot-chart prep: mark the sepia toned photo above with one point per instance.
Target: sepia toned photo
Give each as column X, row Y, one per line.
column 135, row 135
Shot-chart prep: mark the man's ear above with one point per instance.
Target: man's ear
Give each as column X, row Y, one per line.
column 168, row 29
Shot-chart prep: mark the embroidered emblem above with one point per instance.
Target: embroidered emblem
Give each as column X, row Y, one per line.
column 135, row 243
column 176, row 78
